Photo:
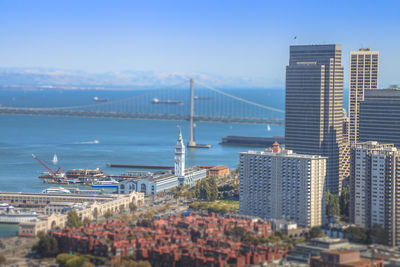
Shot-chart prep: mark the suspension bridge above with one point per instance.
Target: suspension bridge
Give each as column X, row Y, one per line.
column 206, row 104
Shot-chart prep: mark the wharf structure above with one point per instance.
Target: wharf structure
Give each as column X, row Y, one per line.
column 8, row 214
column 375, row 189
column 55, row 206
column 283, row 185
column 163, row 181
column 314, row 102
column 194, row 240
column 42, row 199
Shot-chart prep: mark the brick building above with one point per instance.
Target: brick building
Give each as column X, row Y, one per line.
column 192, row 240
column 219, row 171
column 343, row 258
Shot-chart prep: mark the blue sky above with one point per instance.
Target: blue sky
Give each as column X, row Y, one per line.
column 234, row 38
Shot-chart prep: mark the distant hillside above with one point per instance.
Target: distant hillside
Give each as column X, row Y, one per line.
column 55, row 78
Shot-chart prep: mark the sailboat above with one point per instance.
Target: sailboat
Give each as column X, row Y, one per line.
column 268, row 127
column 55, row 159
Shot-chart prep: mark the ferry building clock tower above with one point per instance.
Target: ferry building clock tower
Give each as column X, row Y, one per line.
column 180, row 158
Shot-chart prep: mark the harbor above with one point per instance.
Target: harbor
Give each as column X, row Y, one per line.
column 99, row 141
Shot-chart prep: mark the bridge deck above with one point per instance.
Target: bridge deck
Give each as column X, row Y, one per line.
column 141, row 116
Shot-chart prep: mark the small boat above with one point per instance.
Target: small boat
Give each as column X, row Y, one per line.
column 109, row 183
column 56, row 190
column 169, row 102
column 98, row 99
column 55, row 159
column 268, row 128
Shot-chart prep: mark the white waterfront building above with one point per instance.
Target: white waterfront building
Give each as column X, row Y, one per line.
column 163, row 181
column 283, row 185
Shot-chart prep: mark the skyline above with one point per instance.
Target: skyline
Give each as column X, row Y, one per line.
column 228, row 38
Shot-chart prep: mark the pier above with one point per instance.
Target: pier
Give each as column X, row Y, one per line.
column 140, row 166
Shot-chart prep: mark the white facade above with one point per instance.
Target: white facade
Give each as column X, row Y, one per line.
column 364, row 70
column 375, row 190
column 283, row 185
column 371, row 173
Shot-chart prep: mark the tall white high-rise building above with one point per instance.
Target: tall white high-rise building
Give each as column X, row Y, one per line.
column 180, row 157
column 375, row 187
column 364, row 70
column 283, row 185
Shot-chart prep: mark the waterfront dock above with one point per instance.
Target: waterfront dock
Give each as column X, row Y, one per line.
column 140, row 166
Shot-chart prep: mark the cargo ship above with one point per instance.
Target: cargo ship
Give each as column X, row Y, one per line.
column 98, row 99
column 168, row 102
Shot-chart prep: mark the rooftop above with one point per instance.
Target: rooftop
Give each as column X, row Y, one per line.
column 217, row 168
column 283, row 153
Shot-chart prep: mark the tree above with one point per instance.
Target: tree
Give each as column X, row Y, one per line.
column 63, row 258
column 132, row 207
column 73, row 220
column 46, row 246
column 213, row 189
column 315, row 232
column 357, row 234
column 206, row 189
column 86, row 220
column 2, row 259
column 95, row 213
column 121, row 208
column 238, row 233
column 378, row 235
column 76, row 261
column 88, row 264
column 107, row 214
column 332, row 204
column 344, row 203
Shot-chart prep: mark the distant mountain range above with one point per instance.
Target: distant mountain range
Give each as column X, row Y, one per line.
column 26, row 78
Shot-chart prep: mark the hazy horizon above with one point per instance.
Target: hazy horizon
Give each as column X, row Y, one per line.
column 225, row 38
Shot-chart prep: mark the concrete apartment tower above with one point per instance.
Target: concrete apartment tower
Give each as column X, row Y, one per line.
column 379, row 116
column 364, row 70
column 314, row 105
column 375, row 187
column 283, row 185
column 180, row 157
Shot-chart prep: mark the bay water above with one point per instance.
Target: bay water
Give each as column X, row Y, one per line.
column 92, row 142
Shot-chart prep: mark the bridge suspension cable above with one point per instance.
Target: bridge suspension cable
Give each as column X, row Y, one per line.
column 241, row 99
column 119, row 100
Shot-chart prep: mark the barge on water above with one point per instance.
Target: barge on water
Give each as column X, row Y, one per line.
column 252, row 141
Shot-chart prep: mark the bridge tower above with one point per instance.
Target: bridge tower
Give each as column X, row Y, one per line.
column 192, row 142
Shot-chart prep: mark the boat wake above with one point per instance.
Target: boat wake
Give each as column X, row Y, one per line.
column 88, row 142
